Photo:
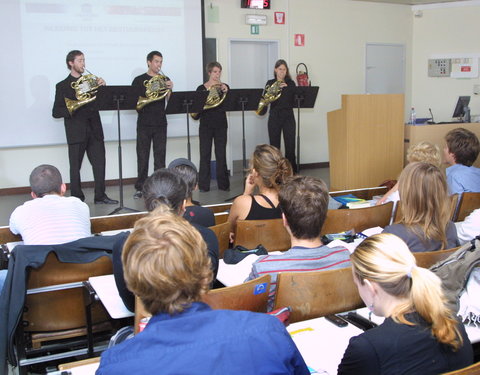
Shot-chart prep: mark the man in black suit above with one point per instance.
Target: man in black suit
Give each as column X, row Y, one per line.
column 84, row 131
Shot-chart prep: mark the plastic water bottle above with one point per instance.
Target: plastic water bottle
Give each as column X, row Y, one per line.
column 413, row 117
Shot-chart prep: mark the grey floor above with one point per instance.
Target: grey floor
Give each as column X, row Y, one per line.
column 8, row 203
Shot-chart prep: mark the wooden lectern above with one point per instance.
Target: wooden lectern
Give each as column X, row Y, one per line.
column 365, row 140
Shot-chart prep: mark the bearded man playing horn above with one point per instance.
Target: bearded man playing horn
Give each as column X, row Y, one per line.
column 83, row 126
column 152, row 120
column 213, row 129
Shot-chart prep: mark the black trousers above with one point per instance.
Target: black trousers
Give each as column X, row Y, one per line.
column 218, row 136
column 283, row 120
column 95, row 149
column 146, row 135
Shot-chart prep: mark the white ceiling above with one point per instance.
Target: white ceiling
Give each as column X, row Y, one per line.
column 412, row 2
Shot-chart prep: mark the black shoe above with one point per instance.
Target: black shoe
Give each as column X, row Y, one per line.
column 138, row 194
column 204, row 190
column 106, row 200
column 226, row 189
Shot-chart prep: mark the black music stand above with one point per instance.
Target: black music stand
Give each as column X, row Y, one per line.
column 116, row 98
column 186, row 102
column 303, row 97
column 242, row 100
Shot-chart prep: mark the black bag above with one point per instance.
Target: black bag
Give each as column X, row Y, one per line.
column 456, row 269
column 235, row 255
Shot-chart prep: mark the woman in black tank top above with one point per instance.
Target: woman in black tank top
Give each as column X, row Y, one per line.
column 268, row 171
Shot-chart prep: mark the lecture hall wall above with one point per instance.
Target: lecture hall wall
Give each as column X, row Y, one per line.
column 336, row 32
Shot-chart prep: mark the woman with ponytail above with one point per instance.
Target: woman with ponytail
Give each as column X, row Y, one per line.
column 168, row 189
column 420, row 335
column 268, row 171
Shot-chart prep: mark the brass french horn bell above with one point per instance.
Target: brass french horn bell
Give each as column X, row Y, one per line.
column 156, row 90
column 85, row 89
column 270, row 94
column 215, row 97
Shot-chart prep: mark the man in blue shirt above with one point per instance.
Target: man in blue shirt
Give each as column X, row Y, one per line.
column 166, row 265
column 461, row 150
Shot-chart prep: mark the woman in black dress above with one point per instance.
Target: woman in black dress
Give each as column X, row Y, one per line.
column 281, row 116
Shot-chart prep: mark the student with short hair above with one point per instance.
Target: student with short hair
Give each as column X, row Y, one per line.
column 194, row 213
column 461, row 150
column 304, row 205
column 167, row 267
column 50, row 218
column 420, row 335
column 425, row 223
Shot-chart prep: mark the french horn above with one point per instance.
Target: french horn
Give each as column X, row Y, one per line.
column 156, row 90
column 270, row 94
column 215, row 97
column 85, row 89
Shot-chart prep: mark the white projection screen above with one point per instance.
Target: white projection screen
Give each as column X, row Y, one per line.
column 114, row 35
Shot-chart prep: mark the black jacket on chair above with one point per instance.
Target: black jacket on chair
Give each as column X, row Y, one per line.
column 24, row 257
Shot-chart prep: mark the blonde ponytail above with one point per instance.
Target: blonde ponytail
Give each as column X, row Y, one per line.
column 386, row 260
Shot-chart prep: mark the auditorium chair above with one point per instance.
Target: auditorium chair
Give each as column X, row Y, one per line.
column 359, row 219
column 54, row 317
column 222, row 232
column 427, row 259
column 249, row 296
column 470, row 370
column 269, row 233
column 468, row 203
column 317, row 293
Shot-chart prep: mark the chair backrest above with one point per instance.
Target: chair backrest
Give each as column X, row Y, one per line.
column 468, row 203
column 429, row 258
column 222, row 231
column 7, row 236
column 317, row 293
column 269, row 233
column 219, row 207
column 366, row 193
column 62, row 309
column 249, row 296
column 453, row 208
column 470, row 370
column 115, row 222
column 220, row 217
column 359, row 219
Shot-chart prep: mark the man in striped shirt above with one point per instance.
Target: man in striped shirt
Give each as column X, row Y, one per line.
column 50, row 218
column 304, row 204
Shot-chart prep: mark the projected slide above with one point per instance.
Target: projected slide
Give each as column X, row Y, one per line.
column 115, row 37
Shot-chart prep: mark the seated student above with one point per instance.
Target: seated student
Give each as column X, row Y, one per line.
column 420, row 335
column 468, row 229
column 423, row 151
column 163, row 187
column 425, row 223
column 50, row 218
column 304, row 202
column 167, row 267
column 268, row 171
column 194, row 213
column 461, row 150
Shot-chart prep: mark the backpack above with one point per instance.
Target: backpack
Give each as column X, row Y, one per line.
column 456, row 269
